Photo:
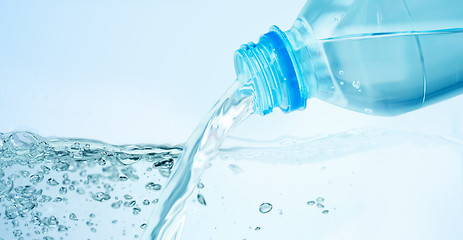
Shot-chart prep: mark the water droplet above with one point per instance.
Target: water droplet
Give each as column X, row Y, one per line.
column 52, row 182
column 24, row 173
column 136, row 211
column 127, row 197
column 146, row 202
column 153, row 186
column 60, row 166
column 17, row 233
column 36, row 178
column 235, row 168
column 22, row 142
column 257, row 228
column 356, row 84
column 201, row 199
column 45, row 169
column 11, row 212
column 100, row 196
column 79, row 190
column 200, row 185
column 265, row 207
column 93, row 229
column 320, row 200
column 92, row 215
column 114, row 221
column 73, row 217
column 341, row 72
column 62, row 228
column 117, row 204
column 63, row 190
column 325, row 211
column 341, row 83
column 143, row 226
column 130, row 204
column 311, row 203
column 51, row 221
column 319, row 205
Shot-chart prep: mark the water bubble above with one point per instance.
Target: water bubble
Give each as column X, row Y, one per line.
column 311, row 203
column 200, row 185
column 130, row 204
column 60, row 166
column 136, row 211
column 153, row 186
column 114, row 221
column 51, row 221
column 127, row 197
column 62, row 228
column 341, row 83
column 45, row 169
column 235, row 168
column 117, row 204
column 123, row 178
column 319, row 205
column 79, row 190
column 143, row 226
column 11, row 212
column 87, row 147
column 320, row 200
column 265, row 207
column 325, row 211
column 52, row 182
column 22, row 142
column 17, row 233
column 24, row 173
column 88, row 223
column 93, row 229
column 63, row 190
column 15, row 223
column 356, row 84
column 100, row 196
column 58, row 199
column 146, row 202
column 73, row 217
column 75, row 146
column 341, row 72
column 257, row 228
column 201, row 199
column 92, row 215
column 36, row 178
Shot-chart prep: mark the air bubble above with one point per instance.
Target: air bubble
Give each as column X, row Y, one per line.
column 265, row 207
column 153, row 186
column 201, row 199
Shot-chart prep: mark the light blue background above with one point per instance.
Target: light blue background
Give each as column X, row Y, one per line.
column 148, row 71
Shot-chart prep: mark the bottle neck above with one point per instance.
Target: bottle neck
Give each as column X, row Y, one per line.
column 273, row 71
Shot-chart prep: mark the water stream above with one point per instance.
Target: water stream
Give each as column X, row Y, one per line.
column 236, row 105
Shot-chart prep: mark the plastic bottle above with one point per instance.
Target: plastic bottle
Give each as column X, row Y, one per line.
column 382, row 57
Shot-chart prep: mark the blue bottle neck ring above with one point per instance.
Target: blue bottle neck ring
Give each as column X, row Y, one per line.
column 271, row 68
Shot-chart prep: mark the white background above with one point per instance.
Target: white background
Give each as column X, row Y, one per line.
column 148, row 71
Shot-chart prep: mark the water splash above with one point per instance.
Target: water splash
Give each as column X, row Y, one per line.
column 49, row 186
column 203, row 145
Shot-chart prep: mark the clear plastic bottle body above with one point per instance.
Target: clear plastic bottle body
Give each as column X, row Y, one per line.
column 382, row 57
column 386, row 57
